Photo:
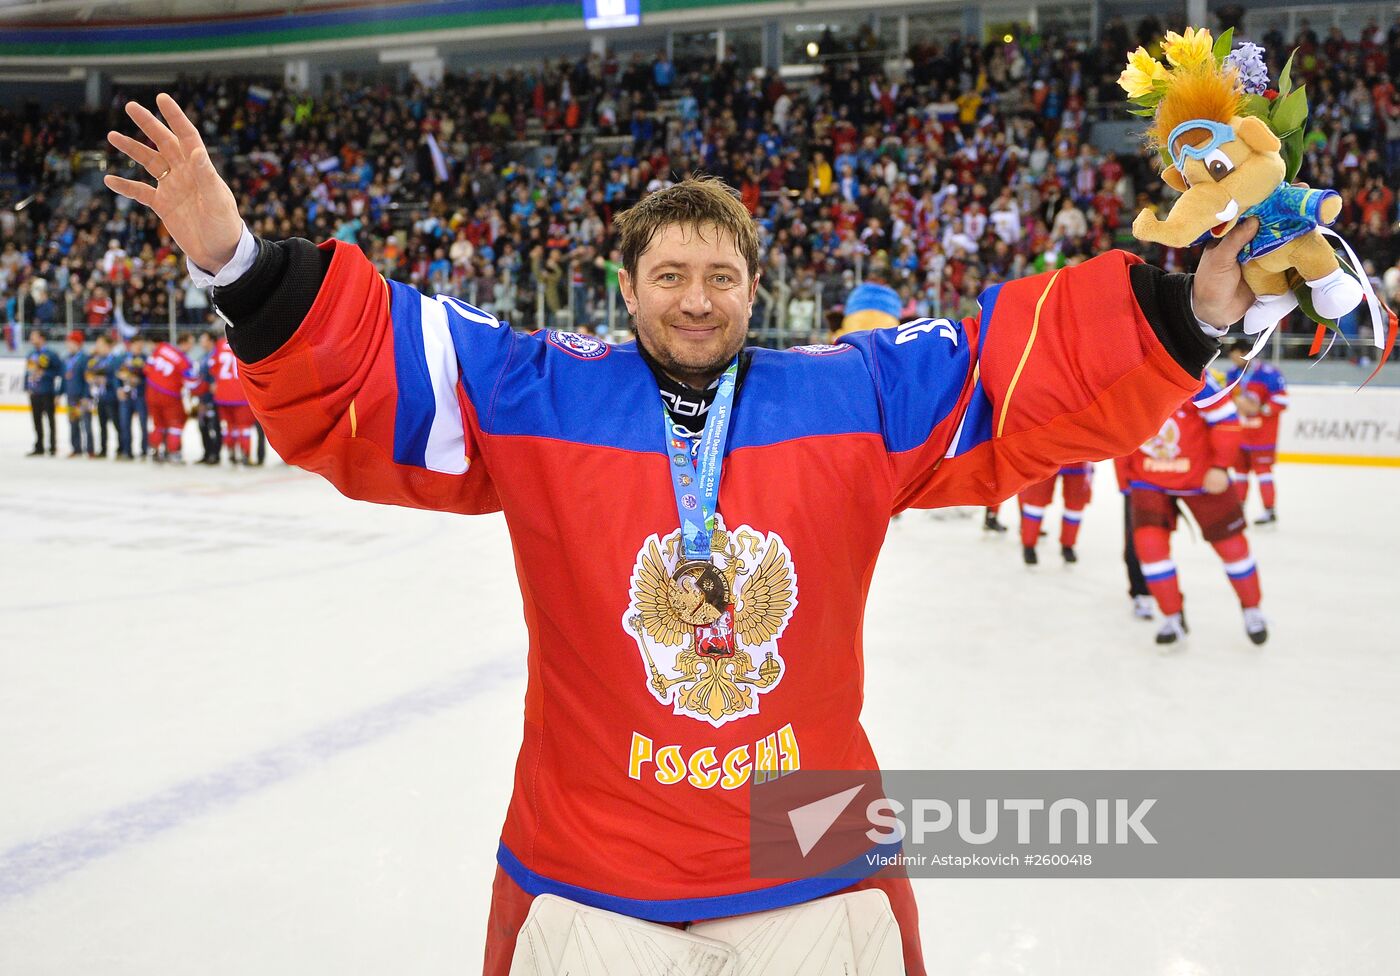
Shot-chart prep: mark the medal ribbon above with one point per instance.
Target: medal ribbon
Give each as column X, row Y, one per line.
column 696, row 504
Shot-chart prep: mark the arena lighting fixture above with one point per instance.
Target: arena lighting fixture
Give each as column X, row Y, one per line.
column 71, row 74
column 813, row 49
column 404, row 55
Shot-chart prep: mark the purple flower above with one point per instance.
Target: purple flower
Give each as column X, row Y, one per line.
column 1248, row 59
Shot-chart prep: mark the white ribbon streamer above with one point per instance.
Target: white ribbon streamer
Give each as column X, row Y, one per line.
column 1373, row 305
column 1372, row 302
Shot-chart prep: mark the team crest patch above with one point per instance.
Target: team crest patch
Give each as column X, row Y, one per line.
column 1166, row 445
column 701, row 626
column 578, row 346
column 820, row 349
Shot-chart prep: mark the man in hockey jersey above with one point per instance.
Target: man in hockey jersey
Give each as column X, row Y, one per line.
column 1261, row 398
column 1076, row 487
column 234, row 414
column 630, row 791
column 1188, row 463
column 168, row 372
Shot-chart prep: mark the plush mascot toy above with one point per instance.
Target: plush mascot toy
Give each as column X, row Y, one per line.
column 1231, row 146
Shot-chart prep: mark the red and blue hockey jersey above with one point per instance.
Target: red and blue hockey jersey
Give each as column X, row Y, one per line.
column 168, row 370
column 630, row 787
column 228, row 391
column 1189, row 443
column 1264, row 384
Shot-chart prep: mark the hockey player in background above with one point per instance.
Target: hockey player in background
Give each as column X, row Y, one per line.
column 102, row 383
column 43, row 381
column 234, row 413
column 168, row 372
column 1188, row 463
column 709, row 631
column 1261, row 398
column 77, row 395
column 1076, row 488
column 131, row 399
column 991, row 522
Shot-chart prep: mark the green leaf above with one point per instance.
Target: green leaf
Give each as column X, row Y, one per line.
column 1291, row 111
column 1222, row 45
column 1305, row 305
column 1256, row 105
column 1145, row 113
column 1285, row 78
column 1160, row 87
column 1292, row 153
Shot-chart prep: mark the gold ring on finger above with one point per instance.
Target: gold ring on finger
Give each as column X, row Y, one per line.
column 163, row 175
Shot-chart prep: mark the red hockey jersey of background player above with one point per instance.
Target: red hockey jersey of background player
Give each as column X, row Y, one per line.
column 1191, row 442
column 1264, row 384
column 167, row 370
column 228, row 390
column 630, row 784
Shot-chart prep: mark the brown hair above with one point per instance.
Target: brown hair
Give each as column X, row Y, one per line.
column 694, row 202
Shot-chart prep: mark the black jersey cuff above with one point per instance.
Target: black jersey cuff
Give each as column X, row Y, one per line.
column 1165, row 300
column 266, row 306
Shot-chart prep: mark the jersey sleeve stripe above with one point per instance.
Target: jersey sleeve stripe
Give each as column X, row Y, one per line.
column 976, row 426
column 446, row 450
column 428, row 431
column 1025, row 353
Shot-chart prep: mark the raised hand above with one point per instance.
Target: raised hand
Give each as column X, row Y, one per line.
column 189, row 196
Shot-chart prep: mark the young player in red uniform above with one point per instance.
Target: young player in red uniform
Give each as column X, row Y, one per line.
column 1187, row 463
column 1076, row 487
column 168, row 371
column 638, row 741
column 234, row 412
column 1261, row 398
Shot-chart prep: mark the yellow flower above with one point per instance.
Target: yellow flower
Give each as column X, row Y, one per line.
column 1142, row 70
column 1190, row 50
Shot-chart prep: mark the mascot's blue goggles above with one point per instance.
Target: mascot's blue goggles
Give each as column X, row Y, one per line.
column 1220, row 133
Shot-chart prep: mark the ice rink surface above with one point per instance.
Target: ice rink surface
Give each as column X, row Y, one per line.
column 250, row 726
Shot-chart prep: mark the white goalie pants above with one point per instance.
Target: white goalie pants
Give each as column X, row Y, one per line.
column 511, row 906
column 853, row 934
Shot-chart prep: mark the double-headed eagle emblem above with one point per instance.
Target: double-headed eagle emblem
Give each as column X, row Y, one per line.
column 1165, row 445
column 699, row 625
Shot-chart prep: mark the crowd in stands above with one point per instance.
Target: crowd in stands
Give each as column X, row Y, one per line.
column 973, row 164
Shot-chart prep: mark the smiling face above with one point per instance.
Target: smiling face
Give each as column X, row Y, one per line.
column 690, row 299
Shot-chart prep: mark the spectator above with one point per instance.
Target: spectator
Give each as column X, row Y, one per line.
column 97, row 311
column 974, row 166
column 802, row 313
